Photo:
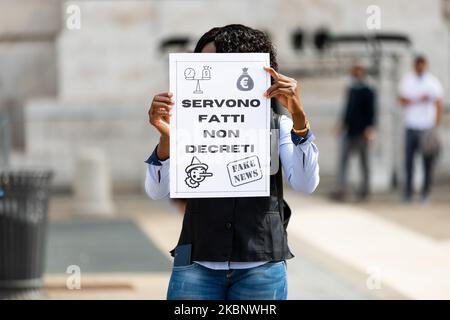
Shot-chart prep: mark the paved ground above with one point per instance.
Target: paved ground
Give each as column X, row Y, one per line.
column 376, row 250
column 100, row 245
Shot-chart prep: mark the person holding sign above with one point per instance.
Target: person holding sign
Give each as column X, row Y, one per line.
column 236, row 247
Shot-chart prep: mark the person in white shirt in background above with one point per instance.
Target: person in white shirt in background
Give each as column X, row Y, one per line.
column 421, row 98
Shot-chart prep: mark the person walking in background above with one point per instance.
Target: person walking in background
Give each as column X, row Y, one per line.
column 421, row 96
column 357, row 128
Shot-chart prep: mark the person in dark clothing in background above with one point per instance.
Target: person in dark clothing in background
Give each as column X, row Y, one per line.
column 357, row 127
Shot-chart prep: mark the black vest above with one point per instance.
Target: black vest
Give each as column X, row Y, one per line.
column 237, row 229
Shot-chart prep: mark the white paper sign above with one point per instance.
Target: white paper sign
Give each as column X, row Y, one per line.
column 220, row 125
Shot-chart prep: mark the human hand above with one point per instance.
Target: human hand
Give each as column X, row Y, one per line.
column 160, row 112
column 369, row 134
column 286, row 91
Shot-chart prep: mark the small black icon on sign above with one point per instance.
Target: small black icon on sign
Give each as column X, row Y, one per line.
column 196, row 173
column 245, row 82
column 189, row 74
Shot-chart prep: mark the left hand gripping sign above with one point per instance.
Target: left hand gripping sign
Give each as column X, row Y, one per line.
column 220, row 126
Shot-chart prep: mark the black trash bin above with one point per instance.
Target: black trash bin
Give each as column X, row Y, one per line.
column 23, row 231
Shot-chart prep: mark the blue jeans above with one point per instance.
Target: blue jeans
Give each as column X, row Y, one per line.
column 413, row 140
column 195, row 282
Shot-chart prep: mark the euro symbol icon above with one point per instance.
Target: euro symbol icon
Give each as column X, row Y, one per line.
column 245, row 82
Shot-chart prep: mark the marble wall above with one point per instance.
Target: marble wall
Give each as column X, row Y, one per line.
column 28, row 30
column 108, row 70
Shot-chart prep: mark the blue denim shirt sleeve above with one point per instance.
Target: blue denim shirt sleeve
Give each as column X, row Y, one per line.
column 299, row 140
column 153, row 159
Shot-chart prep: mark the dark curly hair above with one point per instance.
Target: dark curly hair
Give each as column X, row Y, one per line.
column 238, row 38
